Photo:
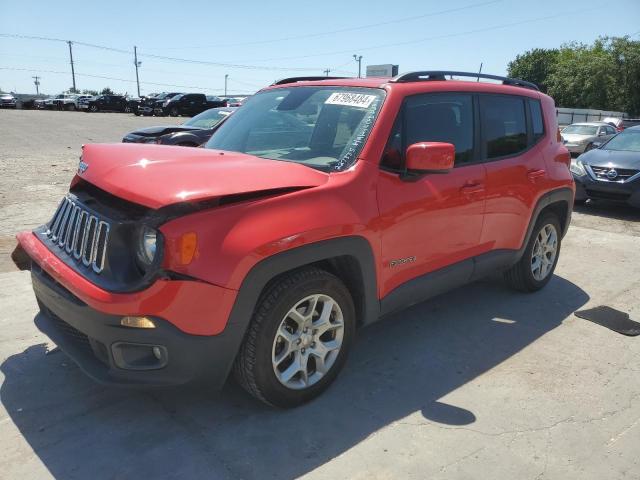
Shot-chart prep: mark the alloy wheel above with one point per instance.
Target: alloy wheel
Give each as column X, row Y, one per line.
column 308, row 341
column 544, row 252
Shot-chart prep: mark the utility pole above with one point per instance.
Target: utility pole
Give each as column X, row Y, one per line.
column 326, row 72
column 137, row 64
column 73, row 73
column 226, row 77
column 36, row 81
column 359, row 60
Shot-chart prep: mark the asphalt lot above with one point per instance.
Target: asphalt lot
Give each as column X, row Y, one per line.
column 478, row 383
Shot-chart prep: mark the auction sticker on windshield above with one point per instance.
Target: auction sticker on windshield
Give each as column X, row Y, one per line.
column 359, row 100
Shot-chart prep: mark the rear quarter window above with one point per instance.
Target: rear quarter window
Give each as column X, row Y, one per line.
column 537, row 123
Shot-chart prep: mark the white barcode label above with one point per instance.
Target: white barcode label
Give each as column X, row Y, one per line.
column 359, row 100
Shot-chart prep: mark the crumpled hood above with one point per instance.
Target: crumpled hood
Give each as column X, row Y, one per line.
column 163, row 130
column 156, row 176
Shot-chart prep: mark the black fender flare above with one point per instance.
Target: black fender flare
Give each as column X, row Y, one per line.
column 559, row 195
column 269, row 268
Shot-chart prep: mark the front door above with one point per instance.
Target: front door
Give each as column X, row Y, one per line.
column 436, row 220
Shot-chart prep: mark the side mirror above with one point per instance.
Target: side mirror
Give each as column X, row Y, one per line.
column 429, row 157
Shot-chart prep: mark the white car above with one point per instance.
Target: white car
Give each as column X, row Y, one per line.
column 578, row 137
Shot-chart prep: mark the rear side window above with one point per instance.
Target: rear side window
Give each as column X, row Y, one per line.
column 504, row 129
column 537, row 124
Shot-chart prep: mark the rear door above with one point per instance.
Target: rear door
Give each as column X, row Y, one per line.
column 512, row 133
column 436, row 220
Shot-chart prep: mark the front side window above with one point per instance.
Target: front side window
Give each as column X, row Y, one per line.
column 322, row 127
column 504, row 128
column 444, row 118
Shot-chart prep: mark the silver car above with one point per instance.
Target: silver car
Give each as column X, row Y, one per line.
column 578, row 137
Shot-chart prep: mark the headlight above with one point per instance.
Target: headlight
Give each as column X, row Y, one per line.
column 166, row 102
column 577, row 167
column 147, row 246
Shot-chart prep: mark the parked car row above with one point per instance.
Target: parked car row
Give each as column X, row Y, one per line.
column 158, row 104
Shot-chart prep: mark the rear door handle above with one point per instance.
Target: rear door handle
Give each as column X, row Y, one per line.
column 535, row 174
column 471, row 187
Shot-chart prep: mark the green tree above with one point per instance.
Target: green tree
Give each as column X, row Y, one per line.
column 90, row 92
column 534, row 66
column 106, row 91
column 604, row 75
column 73, row 90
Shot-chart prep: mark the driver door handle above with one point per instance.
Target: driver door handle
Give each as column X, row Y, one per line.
column 472, row 187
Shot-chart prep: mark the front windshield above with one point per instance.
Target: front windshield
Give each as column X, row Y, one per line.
column 208, row 118
column 322, row 127
column 628, row 141
column 581, row 130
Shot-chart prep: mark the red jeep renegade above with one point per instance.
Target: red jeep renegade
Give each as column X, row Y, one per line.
column 320, row 206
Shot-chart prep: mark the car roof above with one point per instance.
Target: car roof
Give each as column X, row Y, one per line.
column 591, row 124
column 413, row 87
column 634, row 128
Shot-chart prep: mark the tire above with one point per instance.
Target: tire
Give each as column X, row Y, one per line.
column 127, row 109
column 93, row 108
column 137, row 113
column 264, row 350
column 71, row 107
column 186, row 144
column 522, row 276
column 174, row 112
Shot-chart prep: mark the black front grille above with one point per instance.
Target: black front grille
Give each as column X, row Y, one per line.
column 619, row 197
column 613, row 174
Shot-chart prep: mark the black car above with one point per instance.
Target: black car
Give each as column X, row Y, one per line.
column 192, row 133
column 610, row 171
column 188, row 104
column 136, row 103
column 107, row 103
column 149, row 106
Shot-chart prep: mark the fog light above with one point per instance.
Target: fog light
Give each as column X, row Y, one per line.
column 137, row 322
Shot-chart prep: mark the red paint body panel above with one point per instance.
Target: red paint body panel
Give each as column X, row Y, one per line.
column 160, row 175
column 245, row 233
column 194, row 307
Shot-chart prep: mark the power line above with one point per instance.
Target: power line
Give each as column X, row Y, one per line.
column 333, row 32
column 437, row 37
column 114, row 78
column 162, row 57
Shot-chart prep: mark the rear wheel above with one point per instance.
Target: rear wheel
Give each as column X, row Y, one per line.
column 298, row 338
column 538, row 262
column 174, row 112
column 94, row 108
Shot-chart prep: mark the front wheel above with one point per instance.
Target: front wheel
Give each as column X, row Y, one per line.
column 534, row 270
column 93, row 108
column 127, row 109
column 298, row 338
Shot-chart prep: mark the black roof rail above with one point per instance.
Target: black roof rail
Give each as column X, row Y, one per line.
column 442, row 74
column 303, row 79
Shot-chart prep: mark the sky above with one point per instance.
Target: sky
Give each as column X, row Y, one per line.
column 255, row 43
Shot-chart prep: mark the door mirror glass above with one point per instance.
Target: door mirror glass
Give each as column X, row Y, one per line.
column 430, row 157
